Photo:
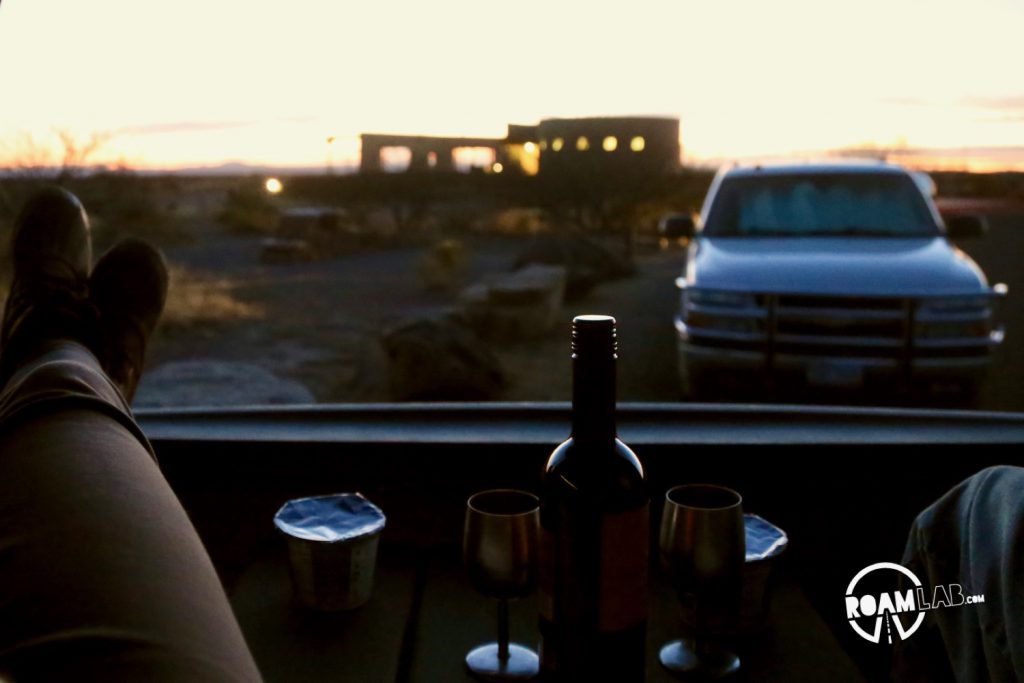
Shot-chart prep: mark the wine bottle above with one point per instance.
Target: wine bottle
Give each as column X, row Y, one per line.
column 594, row 530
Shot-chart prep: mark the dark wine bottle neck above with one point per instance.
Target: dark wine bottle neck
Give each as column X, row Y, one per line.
column 593, row 398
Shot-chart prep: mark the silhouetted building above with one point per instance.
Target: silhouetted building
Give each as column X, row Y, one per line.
column 609, row 145
column 559, row 146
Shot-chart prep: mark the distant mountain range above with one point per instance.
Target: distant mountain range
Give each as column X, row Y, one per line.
column 1009, row 158
column 236, row 168
column 230, row 168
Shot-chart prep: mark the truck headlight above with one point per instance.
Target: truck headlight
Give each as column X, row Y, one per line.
column 724, row 311
column 719, row 298
column 955, row 305
column 954, row 317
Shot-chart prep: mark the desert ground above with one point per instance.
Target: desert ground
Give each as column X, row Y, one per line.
column 320, row 323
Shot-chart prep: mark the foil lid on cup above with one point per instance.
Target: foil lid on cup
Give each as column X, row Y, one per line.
column 330, row 519
column 764, row 539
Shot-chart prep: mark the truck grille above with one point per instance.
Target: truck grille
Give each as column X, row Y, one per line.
column 898, row 328
column 856, row 326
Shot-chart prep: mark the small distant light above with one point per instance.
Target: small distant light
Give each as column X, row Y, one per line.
column 610, row 143
column 273, row 185
column 637, row 144
column 556, row 144
column 530, row 147
column 582, row 144
column 497, row 168
column 543, row 145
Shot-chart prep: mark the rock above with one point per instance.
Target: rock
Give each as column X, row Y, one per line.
column 587, row 263
column 440, row 359
column 216, row 383
column 275, row 250
column 521, row 305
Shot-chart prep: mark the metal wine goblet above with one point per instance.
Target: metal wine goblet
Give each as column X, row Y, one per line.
column 702, row 545
column 500, row 554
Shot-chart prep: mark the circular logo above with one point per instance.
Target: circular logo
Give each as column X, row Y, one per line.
column 891, row 607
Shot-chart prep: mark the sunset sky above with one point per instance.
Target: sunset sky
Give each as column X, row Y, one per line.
column 203, row 82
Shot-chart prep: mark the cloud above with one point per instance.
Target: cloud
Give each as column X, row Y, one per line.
column 181, row 127
column 980, row 157
column 1007, row 107
column 1012, row 103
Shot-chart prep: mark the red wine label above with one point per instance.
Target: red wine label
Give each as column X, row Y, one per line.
column 621, row 568
column 546, row 574
column 623, row 577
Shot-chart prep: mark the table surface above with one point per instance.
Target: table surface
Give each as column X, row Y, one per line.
column 424, row 616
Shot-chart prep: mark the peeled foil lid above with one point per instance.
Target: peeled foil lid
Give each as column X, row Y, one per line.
column 330, row 519
column 764, row 539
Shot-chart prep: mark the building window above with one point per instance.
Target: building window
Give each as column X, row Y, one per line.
column 395, row 159
column 556, row 145
column 468, row 159
column 637, row 144
column 582, row 144
column 610, row 143
column 525, row 156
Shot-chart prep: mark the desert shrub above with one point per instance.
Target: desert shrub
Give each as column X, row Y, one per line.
column 122, row 203
column 517, row 221
column 196, row 298
column 248, row 211
column 443, row 266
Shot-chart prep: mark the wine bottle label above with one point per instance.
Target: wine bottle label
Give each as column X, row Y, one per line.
column 623, row 578
column 546, row 574
column 621, row 567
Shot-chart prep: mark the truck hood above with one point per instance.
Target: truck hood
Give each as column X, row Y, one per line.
column 861, row 266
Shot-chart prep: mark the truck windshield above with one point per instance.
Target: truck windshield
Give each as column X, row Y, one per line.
column 819, row 204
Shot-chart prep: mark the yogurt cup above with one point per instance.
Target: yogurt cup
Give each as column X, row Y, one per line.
column 332, row 549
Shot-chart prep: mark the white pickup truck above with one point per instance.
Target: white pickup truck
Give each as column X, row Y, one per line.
column 837, row 275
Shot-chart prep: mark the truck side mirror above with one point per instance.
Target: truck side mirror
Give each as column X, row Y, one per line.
column 960, row 227
column 676, row 226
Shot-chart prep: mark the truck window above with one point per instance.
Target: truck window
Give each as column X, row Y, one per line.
column 848, row 204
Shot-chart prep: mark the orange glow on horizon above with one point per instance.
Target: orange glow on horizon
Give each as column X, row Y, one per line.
column 203, row 94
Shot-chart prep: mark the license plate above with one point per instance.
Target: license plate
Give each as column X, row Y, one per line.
column 835, row 373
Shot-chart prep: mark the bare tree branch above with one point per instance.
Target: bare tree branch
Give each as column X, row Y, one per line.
column 34, row 158
column 77, row 152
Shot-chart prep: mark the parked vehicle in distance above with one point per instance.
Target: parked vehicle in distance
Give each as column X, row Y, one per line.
column 837, row 275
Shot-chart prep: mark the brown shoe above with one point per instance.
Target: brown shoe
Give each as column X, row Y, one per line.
column 128, row 287
column 51, row 250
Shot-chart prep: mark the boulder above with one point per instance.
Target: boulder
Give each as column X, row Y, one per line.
column 521, row 305
column 587, row 263
column 275, row 250
column 440, row 359
column 206, row 382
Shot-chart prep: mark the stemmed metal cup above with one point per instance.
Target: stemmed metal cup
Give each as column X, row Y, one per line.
column 702, row 546
column 500, row 554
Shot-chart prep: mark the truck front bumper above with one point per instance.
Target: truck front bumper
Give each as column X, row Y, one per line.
column 823, row 369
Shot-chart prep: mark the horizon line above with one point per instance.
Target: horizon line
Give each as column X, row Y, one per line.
column 966, row 159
